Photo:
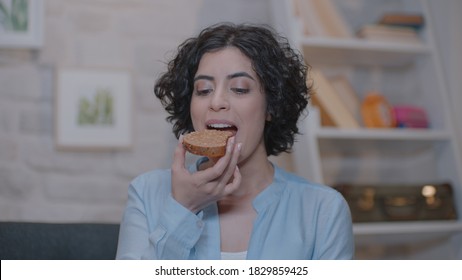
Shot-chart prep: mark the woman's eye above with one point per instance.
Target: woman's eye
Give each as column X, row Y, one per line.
column 203, row 91
column 240, row 90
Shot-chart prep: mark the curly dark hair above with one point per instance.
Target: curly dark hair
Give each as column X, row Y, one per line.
column 280, row 69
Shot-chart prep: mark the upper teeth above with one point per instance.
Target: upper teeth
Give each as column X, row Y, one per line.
column 220, row 125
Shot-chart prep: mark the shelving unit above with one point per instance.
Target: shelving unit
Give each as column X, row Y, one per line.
column 406, row 74
column 357, row 51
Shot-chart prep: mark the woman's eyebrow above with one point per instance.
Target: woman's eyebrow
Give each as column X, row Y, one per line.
column 229, row 77
column 204, row 77
column 240, row 74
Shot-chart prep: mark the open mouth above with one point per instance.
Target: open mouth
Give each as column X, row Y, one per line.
column 223, row 127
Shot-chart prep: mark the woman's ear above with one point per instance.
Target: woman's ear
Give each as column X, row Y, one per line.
column 268, row 117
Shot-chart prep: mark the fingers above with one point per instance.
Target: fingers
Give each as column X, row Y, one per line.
column 224, row 185
column 218, row 169
column 198, row 189
column 179, row 155
column 229, row 172
column 234, row 185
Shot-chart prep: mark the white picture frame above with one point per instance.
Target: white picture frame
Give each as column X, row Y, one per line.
column 93, row 109
column 21, row 23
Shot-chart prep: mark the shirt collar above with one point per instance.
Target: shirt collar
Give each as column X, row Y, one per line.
column 272, row 193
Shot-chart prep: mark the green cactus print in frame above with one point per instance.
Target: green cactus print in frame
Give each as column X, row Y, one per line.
column 14, row 17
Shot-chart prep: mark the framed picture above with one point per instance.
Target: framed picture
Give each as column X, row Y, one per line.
column 21, row 23
column 93, row 109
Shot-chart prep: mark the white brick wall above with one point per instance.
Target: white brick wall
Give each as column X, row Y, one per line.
column 39, row 183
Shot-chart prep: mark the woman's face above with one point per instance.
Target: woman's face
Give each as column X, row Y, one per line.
column 228, row 95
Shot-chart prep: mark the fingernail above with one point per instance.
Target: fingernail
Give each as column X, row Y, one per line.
column 239, row 146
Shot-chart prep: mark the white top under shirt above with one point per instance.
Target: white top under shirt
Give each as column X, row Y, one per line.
column 234, row 255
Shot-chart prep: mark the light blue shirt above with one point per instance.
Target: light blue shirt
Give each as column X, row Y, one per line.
column 295, row 220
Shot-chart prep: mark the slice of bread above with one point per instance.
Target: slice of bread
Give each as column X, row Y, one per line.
column 209, row 143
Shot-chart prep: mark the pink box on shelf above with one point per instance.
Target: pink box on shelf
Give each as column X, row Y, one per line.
column 411, row 117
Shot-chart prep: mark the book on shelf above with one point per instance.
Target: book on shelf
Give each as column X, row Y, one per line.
column 385, row 33
column 321, row 18
column 325, row 119
column 348, row 95
column 310, row 21
column 412, row 20
column 333, row 109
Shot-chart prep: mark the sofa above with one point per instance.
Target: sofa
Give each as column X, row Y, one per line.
column 58, row 241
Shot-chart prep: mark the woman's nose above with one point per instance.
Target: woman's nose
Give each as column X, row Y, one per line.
column 219, row 100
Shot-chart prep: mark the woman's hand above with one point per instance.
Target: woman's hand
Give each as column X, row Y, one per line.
column 197, row 190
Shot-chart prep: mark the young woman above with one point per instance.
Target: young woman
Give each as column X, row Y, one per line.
column 248, row 80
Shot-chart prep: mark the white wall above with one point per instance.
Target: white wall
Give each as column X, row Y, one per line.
column 39, row 183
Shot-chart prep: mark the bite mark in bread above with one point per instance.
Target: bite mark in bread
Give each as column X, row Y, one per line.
column 209, row 142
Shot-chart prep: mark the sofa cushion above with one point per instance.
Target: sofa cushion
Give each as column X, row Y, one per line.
column 58, row 241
